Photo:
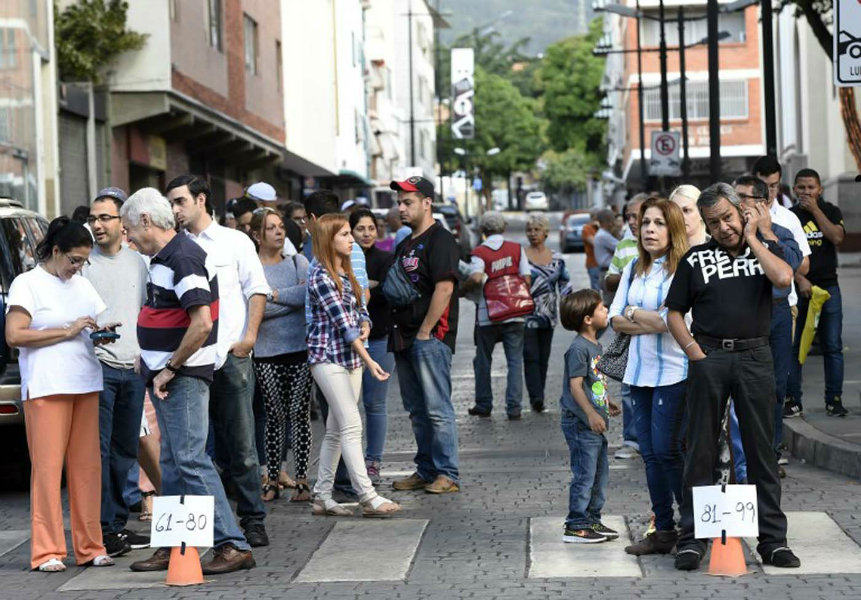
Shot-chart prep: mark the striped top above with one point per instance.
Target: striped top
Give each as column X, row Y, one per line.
column 654, row 359
column 181, row 276
column 547, row 280
column 626, row 251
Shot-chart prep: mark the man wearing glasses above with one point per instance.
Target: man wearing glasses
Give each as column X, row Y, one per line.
column 753, row 192
column 119, row 275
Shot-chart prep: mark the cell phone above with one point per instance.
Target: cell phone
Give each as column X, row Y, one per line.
column 104, row 334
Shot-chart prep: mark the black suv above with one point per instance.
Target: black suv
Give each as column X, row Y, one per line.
column 20, row 231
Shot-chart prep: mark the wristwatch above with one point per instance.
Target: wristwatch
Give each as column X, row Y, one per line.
column 270, row 296
column 629, row 312
column 171, row 368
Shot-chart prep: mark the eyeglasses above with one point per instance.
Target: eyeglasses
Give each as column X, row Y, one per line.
column 299, row 220
column 101, row 218
column 76, row 261
column 754, row 198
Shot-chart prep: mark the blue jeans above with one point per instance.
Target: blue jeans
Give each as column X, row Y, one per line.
column 120, row 408
column 594, row 277
column 424, row 376
column 739, row 460
column 780, row 340
column 183, row 418
column 830, row 338
column 486, row 338
column 374, row 399
column 230, row 407
column 658, row 415
column 590, row 472
column 629, row 423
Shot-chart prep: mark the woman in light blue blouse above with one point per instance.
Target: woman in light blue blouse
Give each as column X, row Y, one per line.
column 549, row 275
column 657, row 367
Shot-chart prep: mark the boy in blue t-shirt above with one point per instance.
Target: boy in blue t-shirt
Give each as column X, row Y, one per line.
column 586, row 410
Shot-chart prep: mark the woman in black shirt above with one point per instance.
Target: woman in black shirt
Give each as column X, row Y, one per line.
column 378, row 262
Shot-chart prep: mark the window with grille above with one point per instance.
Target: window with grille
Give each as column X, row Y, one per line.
column 251, row 45
column 8, row 58
column 214, row 14
column 733, row 101
column 695, row 31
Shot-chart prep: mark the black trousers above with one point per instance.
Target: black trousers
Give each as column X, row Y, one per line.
column 747, row 377
column 536, row 357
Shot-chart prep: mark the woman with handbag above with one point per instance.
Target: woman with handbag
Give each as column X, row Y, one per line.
column 656, row 368
column 339, row 327
column 549, row 275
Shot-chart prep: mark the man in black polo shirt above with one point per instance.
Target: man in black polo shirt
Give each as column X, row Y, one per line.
column 727, row 284
column 823, row 224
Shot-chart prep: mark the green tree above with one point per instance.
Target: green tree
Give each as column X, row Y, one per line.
column 89, row 35
column 570, row 79
column 568, row 171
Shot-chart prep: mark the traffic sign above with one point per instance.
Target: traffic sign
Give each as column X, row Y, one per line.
column 665, row 154
column 847, row 43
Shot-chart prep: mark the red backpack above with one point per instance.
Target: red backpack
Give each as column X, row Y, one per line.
column 506, row 293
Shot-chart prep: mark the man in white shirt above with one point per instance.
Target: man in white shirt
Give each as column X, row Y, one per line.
column 242, row 291
column 495, row 254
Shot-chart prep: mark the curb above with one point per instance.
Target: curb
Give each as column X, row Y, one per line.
column 822, row 450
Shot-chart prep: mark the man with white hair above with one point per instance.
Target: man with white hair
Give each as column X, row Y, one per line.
column 177, row 332
column 495, row 258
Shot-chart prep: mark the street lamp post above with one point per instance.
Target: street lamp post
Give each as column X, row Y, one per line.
column 683, row 95
column 768, row 78
column 665, row 93
column 644, row 173
column 712, row 11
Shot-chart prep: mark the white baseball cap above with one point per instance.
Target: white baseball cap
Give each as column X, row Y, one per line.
column 261, row 191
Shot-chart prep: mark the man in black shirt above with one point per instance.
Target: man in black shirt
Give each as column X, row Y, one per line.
column 727, row 284
column 823, row 224
column 423, row 337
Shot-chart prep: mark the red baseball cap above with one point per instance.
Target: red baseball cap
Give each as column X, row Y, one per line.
column 414, row 184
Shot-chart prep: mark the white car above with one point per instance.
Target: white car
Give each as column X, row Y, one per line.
column 536, row 201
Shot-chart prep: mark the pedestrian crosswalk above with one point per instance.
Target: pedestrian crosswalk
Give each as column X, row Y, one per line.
column 343, row 554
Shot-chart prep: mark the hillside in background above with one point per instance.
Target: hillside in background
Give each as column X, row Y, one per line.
column 543, row 21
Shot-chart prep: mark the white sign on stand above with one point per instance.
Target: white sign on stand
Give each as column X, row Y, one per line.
column 178, row 520
column 729, row 510
column 665, row 159
column 847, row 43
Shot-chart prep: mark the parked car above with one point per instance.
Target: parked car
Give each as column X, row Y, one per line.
column 20, row 231
column 848, row 44
column 571, row 232
column 464, row 235
column 536, row 201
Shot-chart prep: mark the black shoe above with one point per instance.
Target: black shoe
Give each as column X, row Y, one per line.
column 135, row 540
column 610, row 534
column 781, row 557
column 514, row 416
column 136, row 507
column 115, row 545
column 478, row 412
column 835, row 408
column 791, row 408
column 255, row 533
column 688, row 559
column 538, row 407
column 583, row 536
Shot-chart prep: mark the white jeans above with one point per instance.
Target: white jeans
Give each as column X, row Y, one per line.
column 342, row 389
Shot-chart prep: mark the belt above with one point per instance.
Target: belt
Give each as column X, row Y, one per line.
column 732, row 345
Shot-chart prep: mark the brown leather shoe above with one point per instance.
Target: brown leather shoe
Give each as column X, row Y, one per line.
column 228, row 559
column 157, row 562
column 413, row 482
column 442, row 485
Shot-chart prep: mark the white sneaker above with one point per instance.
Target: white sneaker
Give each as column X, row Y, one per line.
column 783, row 460
column 625, row 452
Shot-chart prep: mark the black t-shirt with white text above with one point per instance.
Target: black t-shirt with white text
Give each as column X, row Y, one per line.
column 730, row 297
column 823, row 254
column 428, row 259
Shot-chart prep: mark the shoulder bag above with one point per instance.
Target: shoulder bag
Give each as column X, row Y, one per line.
column 614, row 360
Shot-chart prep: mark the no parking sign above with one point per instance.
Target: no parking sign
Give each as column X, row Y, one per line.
column 665, row 154
column 847, row 42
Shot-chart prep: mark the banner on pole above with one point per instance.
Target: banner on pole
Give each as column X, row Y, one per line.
column 462, row 93
column 847, row 43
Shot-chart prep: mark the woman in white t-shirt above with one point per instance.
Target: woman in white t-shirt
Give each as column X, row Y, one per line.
column 52, row 310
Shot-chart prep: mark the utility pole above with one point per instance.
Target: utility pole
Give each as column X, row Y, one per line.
column 412, row 103
column 712, row 12
column 665, row 92
column 768, row 78
column 683, row 95
column 644, row 174
column 438, row 88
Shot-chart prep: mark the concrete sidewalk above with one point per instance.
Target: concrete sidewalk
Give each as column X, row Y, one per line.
column 829, row 442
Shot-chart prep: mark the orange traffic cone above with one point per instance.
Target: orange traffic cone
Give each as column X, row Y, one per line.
column 727, row 558
column 184, row 567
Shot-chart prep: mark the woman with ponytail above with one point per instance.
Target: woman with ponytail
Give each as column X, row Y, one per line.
column 52, row 311
column 336, row 336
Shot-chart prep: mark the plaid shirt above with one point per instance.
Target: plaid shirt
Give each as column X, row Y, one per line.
column 335, row 320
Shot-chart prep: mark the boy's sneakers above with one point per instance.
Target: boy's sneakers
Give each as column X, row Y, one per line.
column 791, row 408
column 835, row 408
column 608, row 533
column 583, row 536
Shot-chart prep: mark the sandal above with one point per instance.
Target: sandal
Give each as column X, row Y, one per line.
column 268, row 489
column 327, row 507
column 53, row 565
column 379, row 507
column 146, row 506
column 284, row 481
column 303, row 492
column 102, row 560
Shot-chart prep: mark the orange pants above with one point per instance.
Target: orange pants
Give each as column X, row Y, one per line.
column 64, row 426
